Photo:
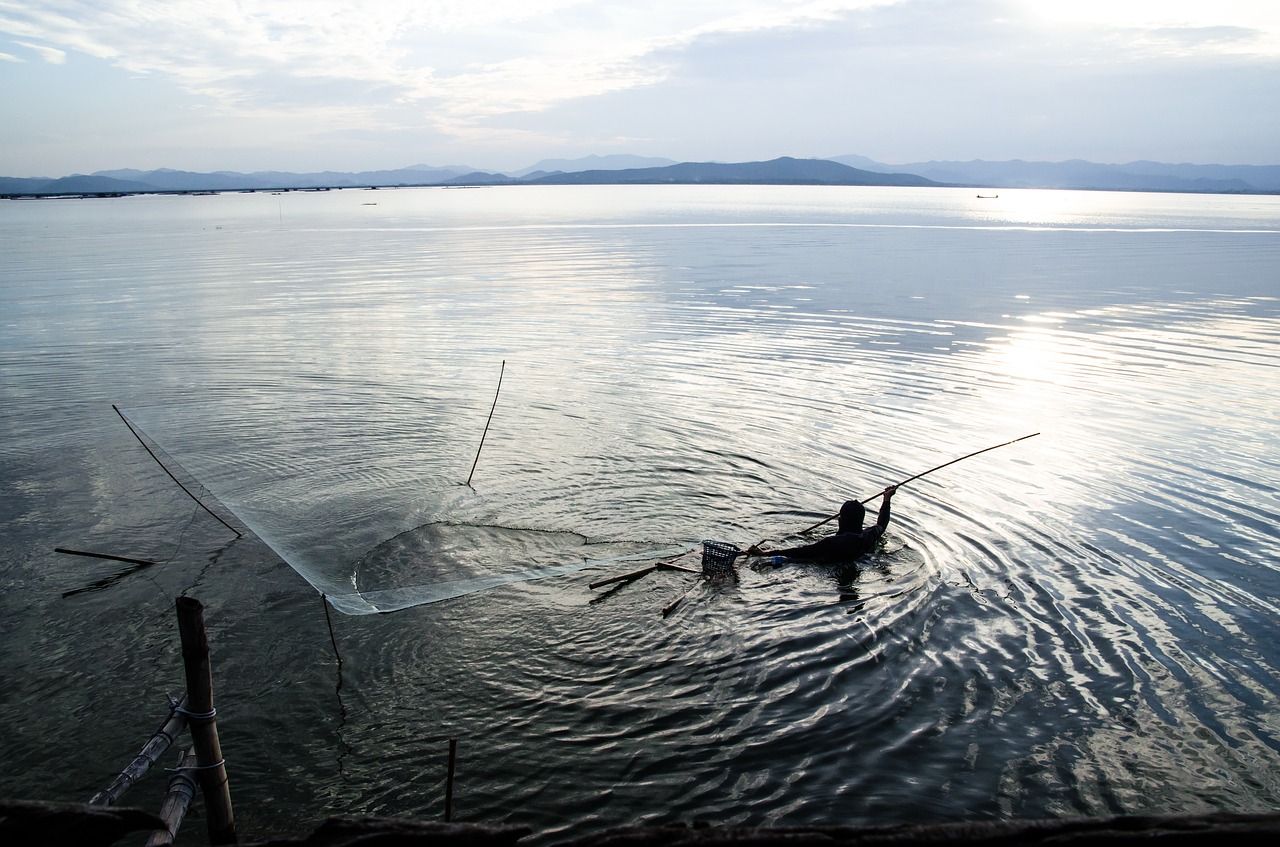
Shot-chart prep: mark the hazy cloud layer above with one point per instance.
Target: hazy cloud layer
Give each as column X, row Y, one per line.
column 48, row 54
column 513, row 81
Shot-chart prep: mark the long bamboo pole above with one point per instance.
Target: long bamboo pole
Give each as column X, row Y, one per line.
column 202, row 718
column 143, row 762
column 141, row 441
column 487, row 422
column 182, row 787
column 926, row 473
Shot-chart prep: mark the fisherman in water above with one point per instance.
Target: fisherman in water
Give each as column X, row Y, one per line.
column 850, row 540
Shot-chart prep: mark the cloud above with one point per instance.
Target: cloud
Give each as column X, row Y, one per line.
column 915, row 81
column 501, row 72
column 52, row 55
column 468, row 58
column 6, row 57
column 1171, row 27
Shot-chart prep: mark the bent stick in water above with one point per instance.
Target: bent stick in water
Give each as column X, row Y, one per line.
column 129, row 559
column 486, row 423
column 926, row 473
column 671, row 607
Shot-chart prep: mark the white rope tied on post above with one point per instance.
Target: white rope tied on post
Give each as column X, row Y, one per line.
column 182, row 768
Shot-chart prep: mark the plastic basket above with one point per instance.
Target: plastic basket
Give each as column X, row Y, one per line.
column 718, row 558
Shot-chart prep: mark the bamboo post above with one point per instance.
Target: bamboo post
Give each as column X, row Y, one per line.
column 150, row 754
column 203, row 721
column 448, row 784
column 182, row 787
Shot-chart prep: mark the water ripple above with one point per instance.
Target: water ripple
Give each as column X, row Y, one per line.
column 1077, row 624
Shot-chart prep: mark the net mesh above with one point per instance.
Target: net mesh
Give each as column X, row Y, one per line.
column 360, row 534
column 361, row 557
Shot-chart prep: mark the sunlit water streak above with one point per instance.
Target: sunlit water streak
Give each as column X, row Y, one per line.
column 1083, row 623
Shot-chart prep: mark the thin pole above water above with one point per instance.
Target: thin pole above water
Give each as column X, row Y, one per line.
column 926, row 473
column 143, row 442
column 487, row 422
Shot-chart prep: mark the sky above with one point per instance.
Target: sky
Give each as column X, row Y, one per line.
column 498, row 85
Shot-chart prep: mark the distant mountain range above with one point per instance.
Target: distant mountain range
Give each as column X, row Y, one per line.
column 1076, row 173
column 784, row 171
column 616, row 162
column 631, row 170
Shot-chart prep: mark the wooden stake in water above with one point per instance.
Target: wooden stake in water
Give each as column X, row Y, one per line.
column 486, row 423
column 201, row 717
column 448, row 783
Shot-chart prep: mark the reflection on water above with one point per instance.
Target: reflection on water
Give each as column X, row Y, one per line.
column 1077, row 624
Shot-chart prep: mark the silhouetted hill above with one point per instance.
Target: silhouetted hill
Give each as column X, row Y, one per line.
column 74, row 184
column 418, row 175
column 166, row 179
column 616, row 162
column 1079, row 174
column 22, row 185
column 481, row 178
column 842, row 170
column 783, row 171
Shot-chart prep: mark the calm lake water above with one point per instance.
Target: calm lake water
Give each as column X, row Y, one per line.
column 1082, row 623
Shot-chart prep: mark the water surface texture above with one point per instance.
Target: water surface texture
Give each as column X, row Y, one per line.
column 1083, row 623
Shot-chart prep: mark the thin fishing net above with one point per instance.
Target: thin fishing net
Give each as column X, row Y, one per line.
column 358, row 523
column 439, row 561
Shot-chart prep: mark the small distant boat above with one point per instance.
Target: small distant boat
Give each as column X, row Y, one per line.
column 988, row 196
